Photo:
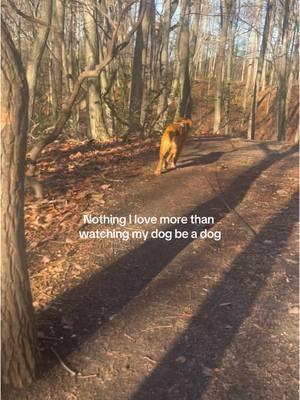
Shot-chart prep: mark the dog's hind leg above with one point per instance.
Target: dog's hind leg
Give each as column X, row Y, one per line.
column 164, row 149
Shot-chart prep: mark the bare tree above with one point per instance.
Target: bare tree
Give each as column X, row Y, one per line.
column 96, row 123
column 164, row 61
column 184, row 108
column 251, row 63
column 37, row 51
column 225, row 6
column 57, row 43
column 140, row 50
column 232, row 27
column 195, row 37
column 113, row 50
column 258, row 72
column 165, row 70
column 282, row 73
column 147, row 28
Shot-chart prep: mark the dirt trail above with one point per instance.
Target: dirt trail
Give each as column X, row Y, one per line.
column 190, row 319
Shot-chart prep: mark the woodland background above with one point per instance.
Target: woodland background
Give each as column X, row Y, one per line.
column 241, row 57
column 103, row 78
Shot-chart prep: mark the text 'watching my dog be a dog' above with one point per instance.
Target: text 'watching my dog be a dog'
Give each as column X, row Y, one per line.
column 143, row 227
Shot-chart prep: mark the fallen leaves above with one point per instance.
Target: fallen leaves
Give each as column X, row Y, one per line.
column 77, row 177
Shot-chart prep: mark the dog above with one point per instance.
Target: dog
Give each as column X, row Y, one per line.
column 171, row 143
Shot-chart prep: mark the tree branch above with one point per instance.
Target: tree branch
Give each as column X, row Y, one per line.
column 68, row 103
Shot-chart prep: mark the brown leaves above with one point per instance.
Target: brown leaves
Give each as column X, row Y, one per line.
column 77, row 177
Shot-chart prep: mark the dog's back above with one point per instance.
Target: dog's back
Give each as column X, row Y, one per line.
column 172, row 141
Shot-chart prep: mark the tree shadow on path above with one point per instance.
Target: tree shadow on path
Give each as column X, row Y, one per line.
column 107, row 291
column 212, row 329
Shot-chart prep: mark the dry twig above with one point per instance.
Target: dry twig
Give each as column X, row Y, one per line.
column 69, row 370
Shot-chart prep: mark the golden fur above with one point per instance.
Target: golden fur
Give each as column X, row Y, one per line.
column 171, row 143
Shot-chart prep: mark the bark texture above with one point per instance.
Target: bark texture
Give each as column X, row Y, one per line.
column 258, row 72
column 140, row 50
column 282, row 74
column 18, row 339
column 185, row 100
column 164, row 61
column 35, row 57
column 220, row 59
column 96, row 123
column 57, row 56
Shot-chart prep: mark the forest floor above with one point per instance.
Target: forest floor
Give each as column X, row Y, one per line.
column 183, row 319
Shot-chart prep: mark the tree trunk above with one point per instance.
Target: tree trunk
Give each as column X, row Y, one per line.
column 232, row 28
column 96, row 122
column 200, row 50
column 164, row 62
column 220, row 67
column 228, row 93
column 18, row 337
column 113, row 50
column 244, row 63
column 146, row 102
column 257, row 76
column 265, row 68
column 35, row 56
column 282, row 91
column 154, row 51
column 292, row 68
column 250, row 68
column 57, row 56
column 184, row 108
column 196, row 36
column 105, row 81
column 137, row 86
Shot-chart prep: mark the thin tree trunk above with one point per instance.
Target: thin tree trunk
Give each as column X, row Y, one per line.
column 269, row 40
column 96, row 121
column 229, row 70
column 201, row 50
column 113, row 49
column 137, row 87
column 264, row 75
column 220, row 67
column 244, row 62
column 36, row 53
column 57, row 57
column 257, row 79
column 162, row 105
column 228, row 85
column 282, row 91
column 108, row 120
column 196, row 36
column 154, row 52
column 145, row 102
column 184, row 108
column 251, row 69
column 292, row 68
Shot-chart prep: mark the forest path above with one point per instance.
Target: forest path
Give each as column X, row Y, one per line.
column 191, row 318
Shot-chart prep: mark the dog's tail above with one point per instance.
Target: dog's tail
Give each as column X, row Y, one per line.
column 163, row 151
